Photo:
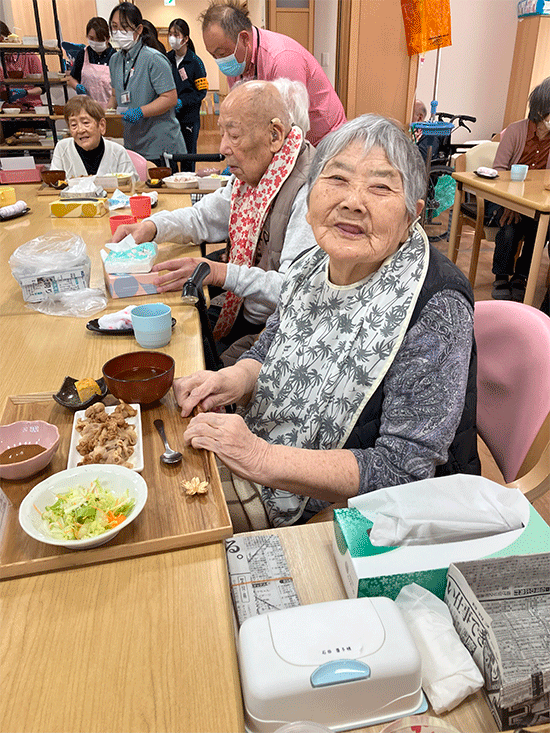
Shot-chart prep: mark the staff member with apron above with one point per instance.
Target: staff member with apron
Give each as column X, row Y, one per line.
column 144, row 89
column 90, row 73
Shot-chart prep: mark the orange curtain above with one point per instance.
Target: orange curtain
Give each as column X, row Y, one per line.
column 427, row 24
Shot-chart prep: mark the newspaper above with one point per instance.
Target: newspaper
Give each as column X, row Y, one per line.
column 259, row 577
column 501, row 609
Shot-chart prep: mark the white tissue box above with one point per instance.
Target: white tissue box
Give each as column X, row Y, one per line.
column 367, row 570
column 498, row 606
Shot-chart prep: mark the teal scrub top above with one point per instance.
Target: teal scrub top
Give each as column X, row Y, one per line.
column 149, row 75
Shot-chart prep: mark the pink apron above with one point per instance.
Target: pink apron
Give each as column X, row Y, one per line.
column 97, row 80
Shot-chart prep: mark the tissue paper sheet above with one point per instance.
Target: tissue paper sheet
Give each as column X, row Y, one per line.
column 429, row 512
column 128, row 257
column 449, row 674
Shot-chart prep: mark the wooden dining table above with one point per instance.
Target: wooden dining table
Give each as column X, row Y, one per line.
column 144, row 643
column 529, row 197
column 148, row 642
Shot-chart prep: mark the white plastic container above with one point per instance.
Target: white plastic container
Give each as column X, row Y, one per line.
column 343, row 664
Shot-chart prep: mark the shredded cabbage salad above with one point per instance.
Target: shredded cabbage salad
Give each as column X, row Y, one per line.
column 82, row 512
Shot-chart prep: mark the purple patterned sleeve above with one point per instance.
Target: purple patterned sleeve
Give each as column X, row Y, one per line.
column 424, row 396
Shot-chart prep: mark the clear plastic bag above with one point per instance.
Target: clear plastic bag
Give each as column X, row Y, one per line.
column 57, row 251
column 78, row 303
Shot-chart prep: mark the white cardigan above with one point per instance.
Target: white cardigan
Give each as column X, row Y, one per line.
column 115, row 160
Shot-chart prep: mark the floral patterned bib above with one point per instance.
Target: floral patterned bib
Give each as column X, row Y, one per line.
column 333, row 347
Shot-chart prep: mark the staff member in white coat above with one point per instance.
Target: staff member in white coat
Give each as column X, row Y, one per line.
column 144, row 89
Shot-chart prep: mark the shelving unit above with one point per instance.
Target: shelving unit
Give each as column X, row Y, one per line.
column 42, row 51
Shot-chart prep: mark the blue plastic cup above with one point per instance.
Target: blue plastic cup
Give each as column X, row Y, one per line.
column 518, row 172
column 152, row 325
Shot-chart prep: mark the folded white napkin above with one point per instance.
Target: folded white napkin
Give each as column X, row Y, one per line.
column 117, row 321
column 446, row 509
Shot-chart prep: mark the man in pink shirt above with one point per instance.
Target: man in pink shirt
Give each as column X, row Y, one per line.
column 243, row 51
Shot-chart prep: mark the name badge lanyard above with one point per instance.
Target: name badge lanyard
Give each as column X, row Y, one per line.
column 125, row 96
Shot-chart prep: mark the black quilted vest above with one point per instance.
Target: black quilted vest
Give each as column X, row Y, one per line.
column 463, row 458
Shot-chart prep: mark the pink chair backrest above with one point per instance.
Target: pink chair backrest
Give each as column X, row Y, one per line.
column 513, row 379
column 140, row 164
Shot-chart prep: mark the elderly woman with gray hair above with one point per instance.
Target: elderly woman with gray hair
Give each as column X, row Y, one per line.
column 364, row 376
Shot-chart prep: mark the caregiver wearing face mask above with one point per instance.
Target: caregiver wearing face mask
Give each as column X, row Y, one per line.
column 90, row 73
column 526, row 142
column 144, row 89
column 243, row 51
column 191, row 84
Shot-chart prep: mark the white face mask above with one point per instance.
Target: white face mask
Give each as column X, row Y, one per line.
column 175, row 42
column 97, row 46
column 124, row 39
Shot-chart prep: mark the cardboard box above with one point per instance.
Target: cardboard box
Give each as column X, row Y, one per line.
column 122, row 285
column 36, row 288
column 501, row 610
column 368, row 570
column 76, row 209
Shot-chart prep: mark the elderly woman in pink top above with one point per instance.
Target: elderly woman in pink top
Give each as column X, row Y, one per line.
column 526, row 142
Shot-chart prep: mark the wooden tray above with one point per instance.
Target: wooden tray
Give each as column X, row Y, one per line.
column 169, row 521
column 45, row 190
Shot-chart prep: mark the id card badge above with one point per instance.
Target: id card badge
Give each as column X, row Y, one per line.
column 125, row 98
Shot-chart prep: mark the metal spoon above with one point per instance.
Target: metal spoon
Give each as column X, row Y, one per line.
column 169, row 456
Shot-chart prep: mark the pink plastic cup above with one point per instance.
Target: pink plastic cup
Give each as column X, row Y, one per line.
column 141, row 206
column 120, row 219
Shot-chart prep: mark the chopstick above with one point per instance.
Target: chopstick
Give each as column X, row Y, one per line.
column 204, row 454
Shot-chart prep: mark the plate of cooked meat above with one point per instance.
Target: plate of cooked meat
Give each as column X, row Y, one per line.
column 107, row 435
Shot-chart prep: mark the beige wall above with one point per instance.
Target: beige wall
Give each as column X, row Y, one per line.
column 73, row 25
column 475, row 70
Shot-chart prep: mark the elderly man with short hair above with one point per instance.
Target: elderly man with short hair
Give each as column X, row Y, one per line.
column 261, row 211
column 244, row 52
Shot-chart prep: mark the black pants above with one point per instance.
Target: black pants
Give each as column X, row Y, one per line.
column 240, row 328
column 506, row 245
column 190, row 132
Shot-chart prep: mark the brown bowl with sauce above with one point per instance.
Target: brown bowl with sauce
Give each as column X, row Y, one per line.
column 139, row 376
column 26, row 447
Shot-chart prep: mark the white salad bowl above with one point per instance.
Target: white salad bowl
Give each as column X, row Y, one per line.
column 113, row 478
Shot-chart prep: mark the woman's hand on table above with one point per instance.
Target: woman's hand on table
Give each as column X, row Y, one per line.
column 207, row 389
column 180, row 270
column 145, row 231
column 229, row 438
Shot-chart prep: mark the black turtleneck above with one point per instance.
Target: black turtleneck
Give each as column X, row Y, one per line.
column 91, row 158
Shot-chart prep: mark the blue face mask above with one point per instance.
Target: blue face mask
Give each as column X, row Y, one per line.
column 229, row 65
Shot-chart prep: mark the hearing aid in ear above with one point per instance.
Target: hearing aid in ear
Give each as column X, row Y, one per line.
column 274, row 121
